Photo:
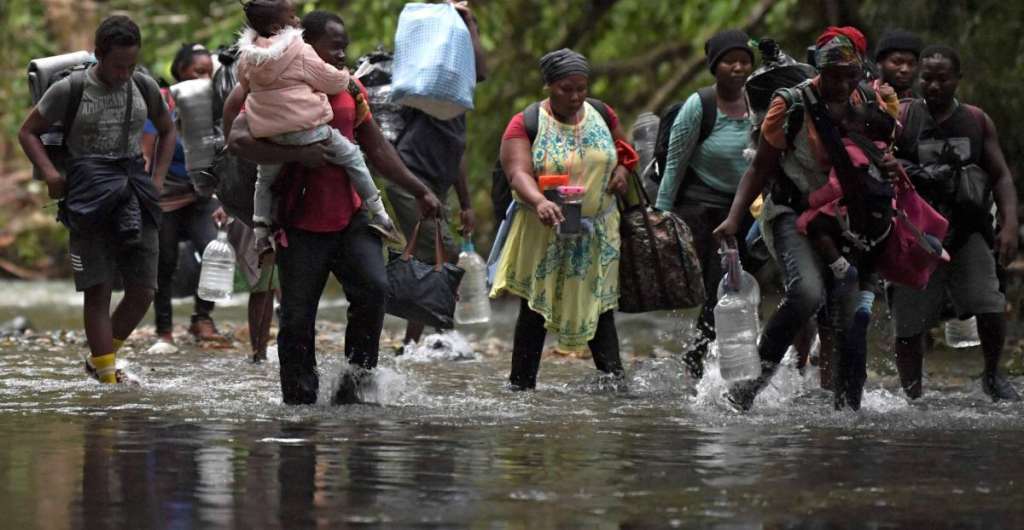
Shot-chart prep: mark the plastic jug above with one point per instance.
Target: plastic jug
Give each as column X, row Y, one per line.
column 217, row 277
column 962, row 333
column 736, row 318
column 474, row 303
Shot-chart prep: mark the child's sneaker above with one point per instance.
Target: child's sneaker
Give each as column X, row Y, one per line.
column 264, row 247
column 385, row 228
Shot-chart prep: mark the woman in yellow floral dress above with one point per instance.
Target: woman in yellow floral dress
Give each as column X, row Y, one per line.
column 568, row 284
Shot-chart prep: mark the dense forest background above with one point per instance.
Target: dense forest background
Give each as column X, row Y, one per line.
column 645, row 54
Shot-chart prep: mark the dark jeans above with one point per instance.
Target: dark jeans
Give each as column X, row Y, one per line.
column 702, row 220
column 192, row 223
column 354, row 257
column 807, row 292
column 528, row 346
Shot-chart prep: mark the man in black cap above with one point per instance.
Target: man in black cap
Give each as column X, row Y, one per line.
column 897, row 54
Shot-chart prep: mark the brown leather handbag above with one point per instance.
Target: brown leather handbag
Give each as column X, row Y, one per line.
column 659, row 269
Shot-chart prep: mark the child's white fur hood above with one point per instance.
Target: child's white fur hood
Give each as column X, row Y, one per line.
column 258, row 55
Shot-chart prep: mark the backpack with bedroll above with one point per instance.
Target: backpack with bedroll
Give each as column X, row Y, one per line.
column 43, row 74
column 501, row 190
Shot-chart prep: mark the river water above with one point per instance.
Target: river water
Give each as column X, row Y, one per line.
column 206, row 442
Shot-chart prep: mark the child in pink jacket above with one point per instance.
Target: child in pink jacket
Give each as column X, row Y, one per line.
column 287, row 86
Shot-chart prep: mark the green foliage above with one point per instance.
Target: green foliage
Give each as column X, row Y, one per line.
column 639, row 49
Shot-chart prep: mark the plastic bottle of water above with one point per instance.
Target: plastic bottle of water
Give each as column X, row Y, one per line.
column 217, row 277
column 645, row 133
column 962, row 333
column 736, row 318
column 474, row 305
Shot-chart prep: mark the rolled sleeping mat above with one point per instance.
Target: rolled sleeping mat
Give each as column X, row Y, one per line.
column 194, row 100
column 42, row 71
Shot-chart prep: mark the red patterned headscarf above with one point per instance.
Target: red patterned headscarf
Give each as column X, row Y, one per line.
column 844, row 46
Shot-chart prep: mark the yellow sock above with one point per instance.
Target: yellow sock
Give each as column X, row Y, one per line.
column 117, row 344
column 105, row 368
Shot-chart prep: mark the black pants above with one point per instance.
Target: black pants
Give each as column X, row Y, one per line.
column 354, row 257
column 702, row 220
column 528, row 346
column 192, row 223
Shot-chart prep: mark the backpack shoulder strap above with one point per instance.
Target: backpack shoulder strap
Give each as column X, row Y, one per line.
column 77, row 82
column 979, row 120
column 601, row 109
column 531, row 118
column 709, row 112
column 140, row 82
column 795, row 110
column 867, row 92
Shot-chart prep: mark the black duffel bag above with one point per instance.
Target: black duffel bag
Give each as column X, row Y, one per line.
column 419, row 292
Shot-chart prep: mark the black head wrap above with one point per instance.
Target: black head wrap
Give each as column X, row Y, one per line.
column 563, row 63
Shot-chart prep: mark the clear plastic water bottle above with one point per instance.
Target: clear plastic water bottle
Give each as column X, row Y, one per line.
column 474, row 304
column 736, row 318
column 962, row 333
column 217, row 277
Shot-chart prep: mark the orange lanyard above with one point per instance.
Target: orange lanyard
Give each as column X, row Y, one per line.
column 577, row 138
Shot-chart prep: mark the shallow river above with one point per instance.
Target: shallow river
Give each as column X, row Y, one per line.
column 206, row 442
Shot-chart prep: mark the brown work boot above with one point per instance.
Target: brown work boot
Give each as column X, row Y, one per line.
column 205, row 332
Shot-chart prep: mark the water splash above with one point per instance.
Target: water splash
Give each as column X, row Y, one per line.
column 447, row 346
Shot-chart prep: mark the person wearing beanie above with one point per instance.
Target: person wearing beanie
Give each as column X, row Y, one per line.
column 723, row 42
column 701, row 177
column 897, row 55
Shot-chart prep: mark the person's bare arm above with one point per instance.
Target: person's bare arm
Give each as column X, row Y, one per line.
column 1005, row 194
column 382, row 155
column 232, row 107
column 764, row 167
column 466, row 214
column 243, row 144
column 619, row 181
column 148, row 148
column 165, row 143
column 474, row 34
column 28, row 136
column 518, row 166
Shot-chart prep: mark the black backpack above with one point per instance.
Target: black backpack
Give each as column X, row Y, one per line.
column 501, row 190
column 709, row 115
column 233, row 178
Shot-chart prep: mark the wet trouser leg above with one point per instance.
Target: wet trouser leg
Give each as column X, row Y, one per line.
column 303, row 268
column 358, row 264
column 605, row 345
column 909, row 364
column 171, row 228
column 805, row 289
column 527, row 347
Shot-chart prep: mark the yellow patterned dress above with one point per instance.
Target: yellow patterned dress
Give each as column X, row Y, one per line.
column 569, row 280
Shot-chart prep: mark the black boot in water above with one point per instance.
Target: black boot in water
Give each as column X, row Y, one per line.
column 851, row 371
column 741, row 395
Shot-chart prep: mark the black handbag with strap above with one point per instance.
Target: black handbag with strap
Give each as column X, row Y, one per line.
column 659, row 268
column 420, row 292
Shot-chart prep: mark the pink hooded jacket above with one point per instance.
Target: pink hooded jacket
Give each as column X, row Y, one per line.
column 287, row 82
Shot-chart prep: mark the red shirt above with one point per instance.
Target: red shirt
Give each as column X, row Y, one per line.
column 322, row 199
